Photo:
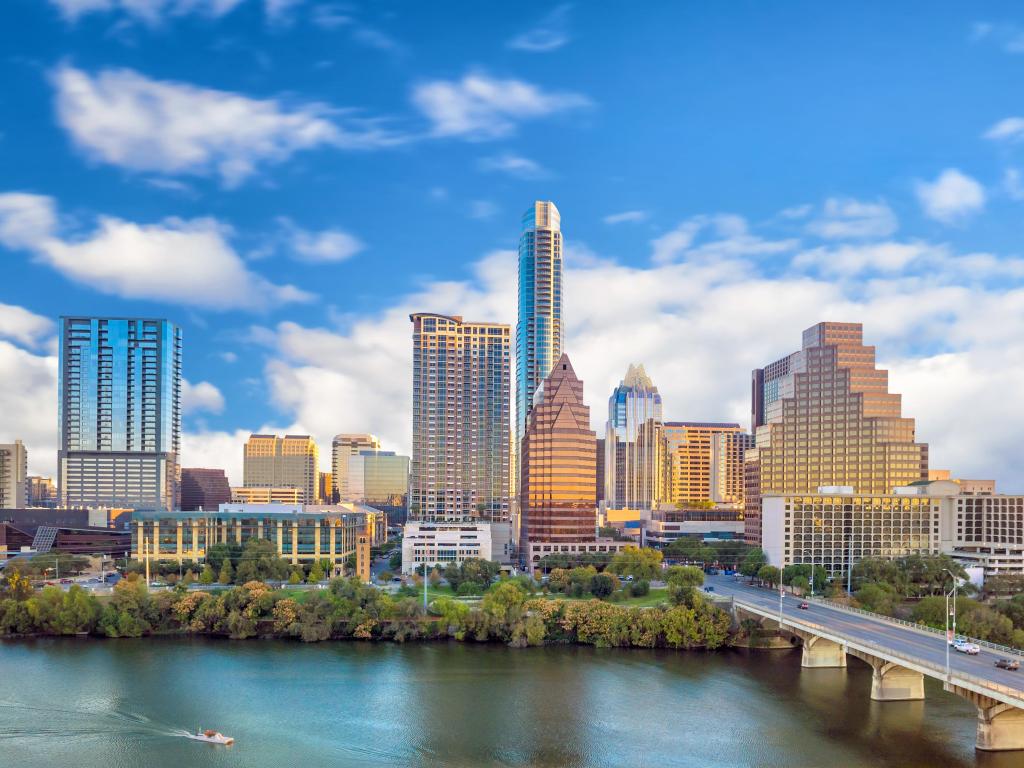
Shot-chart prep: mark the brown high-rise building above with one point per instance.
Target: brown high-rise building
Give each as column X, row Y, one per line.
column 204, row 489
column 558, row 464
column 697, row 473
column 824, row 416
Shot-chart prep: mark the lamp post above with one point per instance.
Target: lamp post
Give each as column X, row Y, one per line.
column 949, row 638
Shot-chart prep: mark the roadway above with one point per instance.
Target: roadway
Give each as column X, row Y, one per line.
column 926, row 647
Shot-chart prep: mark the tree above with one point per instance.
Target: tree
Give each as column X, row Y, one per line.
column 880, row 598
column 207, row 576
column 684, row 576
column 395, row 561
column 752, row 563
column 803, row 571
column 188, row 578
column 259, row 561
column 768, row 574
column 295, row 578
column 639, row 588
column 316, row 574
column 601, row 585
column 219, row 553
column 636, row 562
column 226, row 572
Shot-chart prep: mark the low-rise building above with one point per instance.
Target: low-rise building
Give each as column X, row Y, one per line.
column 659, row 527
column 441, row 543
column 266, row 496
column 301, row 533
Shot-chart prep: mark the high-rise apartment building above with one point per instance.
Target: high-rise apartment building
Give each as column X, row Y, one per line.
column 344, row 447
column 539, row 330
column 825, row 417
column 692, row 462
column 13, row 475
column 557, row 461
column 42, row 491
column 636, row 451
column 461, row 403
column 120, row 412
column 727, row 452
column 204, row 489
column 291, row 461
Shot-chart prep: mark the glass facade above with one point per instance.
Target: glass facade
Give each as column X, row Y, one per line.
column 829, row 420
column 379, row 477
column 461, row 401
column 636, row 465
column 706, row 461
column 539, row 330
column 557, row 497
column 119, row 408
column 343, row 448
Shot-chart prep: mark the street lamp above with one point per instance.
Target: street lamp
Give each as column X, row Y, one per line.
column 949, row 638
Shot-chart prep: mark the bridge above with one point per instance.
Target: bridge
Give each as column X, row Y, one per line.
column 899, row 654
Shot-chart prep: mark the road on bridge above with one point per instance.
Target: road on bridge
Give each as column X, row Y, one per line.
column 905, row 641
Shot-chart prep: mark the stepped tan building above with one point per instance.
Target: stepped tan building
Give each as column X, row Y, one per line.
column 292, row 461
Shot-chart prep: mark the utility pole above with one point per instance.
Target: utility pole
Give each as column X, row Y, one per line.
column 849, row 561
column 424, row 586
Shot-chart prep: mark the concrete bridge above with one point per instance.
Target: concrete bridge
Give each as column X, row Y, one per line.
column 899, row 655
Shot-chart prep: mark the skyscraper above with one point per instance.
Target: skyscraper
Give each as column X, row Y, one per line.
column 119, row 412
column 291, row 461
column 13, row 475
column 636, row 453
column 539, row 330
column 204, row 489
column 727, row 451
column 344, row 447
column 825, row 417
column 557, row 498
column 460, row 433
column 691, row 450
column 381, row 480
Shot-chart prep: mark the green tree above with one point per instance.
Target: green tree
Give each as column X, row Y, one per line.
column 601, row 585
column 753, row 561
column 684, row 576
column 207, row 576
column 295, row 578
column 880, row 598
column 226, row 572
column 768, row 574
column 316, row 574
column 639, row 588
column 636, row 562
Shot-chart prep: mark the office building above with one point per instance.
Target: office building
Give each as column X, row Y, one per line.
column 204, row 488
column 727, row 452
column 658, row 527
column 381, row 479
column 119, row 402
column 266, row 495
column 461, row 403
column 691, row 451
column 42, row 491
column 291, row 461
column 300, row 533
column 824, row 416
column 13, row 475
column 539, row 328
column 439, row 543
column 344, row 447
column 636, row 466
column 557, row 499
column 325, row 489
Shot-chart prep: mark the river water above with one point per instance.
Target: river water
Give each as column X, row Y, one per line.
column 126, row 703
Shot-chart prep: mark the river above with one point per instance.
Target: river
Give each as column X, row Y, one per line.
column 125, row 703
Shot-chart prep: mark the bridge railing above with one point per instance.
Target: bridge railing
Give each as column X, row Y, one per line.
column 1006, row 649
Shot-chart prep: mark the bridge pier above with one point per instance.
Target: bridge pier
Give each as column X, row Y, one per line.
column 891, row 682
column 819, row 653
column 1000, row 725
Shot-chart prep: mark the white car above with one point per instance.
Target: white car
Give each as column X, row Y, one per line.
column 971, row 649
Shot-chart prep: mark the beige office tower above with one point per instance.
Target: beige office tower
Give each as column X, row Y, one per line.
column 824, row 416
column 344, row 447
column 291, row 461
column 13, row 475
column 692, row 460
column 461, row 403
column 727, row 451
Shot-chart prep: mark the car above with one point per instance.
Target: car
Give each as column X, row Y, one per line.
column 396, row 579
column 962, row 646
column 1011, row 664
column 66, row 581
column 709, row 589
column 804, row 605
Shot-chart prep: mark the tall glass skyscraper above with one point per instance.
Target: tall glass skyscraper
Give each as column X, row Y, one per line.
column 636, row 465
column 539, row 330
column 119, row 403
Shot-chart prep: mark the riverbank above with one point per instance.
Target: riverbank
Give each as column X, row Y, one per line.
column 349, row 610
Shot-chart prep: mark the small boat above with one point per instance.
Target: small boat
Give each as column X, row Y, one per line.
column 212, row 737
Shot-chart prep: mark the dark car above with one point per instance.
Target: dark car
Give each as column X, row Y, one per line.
column 804, row 605
column 1013, row 665
column 709, row 589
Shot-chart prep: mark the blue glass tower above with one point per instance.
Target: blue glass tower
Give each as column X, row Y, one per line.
column 539, row 330
column 119, row 393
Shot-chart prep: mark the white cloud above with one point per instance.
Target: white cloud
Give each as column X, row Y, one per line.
column 625, row 216
column 330, row 16
column 513, row 165
column 1008, row 36
column 28, row 402
column 482, row 209
column 217, row 450
column 24, row 327
column 279, row 11
column 720, row 236
column 550, row 34
column 155, row 12
column 1008, row 129
column 888, row 258
column 482, row 107
column 323, row 247
column 202, row 396
column 125, row 119
column 1013, row 184
column 847, row 218
column 179, row 261
column 952, row 197
column 797, row 211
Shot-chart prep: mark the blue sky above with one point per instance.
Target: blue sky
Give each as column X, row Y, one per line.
column 287, row 179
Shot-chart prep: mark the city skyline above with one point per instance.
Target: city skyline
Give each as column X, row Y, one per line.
column 898, row 208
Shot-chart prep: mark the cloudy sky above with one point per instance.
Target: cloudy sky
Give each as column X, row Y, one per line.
column 288, row 179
